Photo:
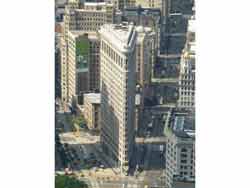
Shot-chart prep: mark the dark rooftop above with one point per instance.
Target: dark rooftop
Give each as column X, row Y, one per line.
column 142, row 16
column 183, row 125
column 182, row 6
column 167, row 67
column 176, row 24
column 172, row 44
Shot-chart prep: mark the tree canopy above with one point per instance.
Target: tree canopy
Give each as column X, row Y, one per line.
column 63, row 181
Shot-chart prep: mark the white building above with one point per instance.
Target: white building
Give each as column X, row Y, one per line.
column 117, row 55
column 85, row 18
column 187, row 71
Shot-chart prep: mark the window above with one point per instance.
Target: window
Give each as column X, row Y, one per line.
column 183, row 161
column 184, row 155
column 183, row 150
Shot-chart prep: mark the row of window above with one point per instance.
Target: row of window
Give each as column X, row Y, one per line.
column 112, row 54
column 186, row 173
column 186, row 167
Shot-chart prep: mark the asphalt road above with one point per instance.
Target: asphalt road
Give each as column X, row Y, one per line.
column 144, row 157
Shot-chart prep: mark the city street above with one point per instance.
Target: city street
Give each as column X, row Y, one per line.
column 147, row 164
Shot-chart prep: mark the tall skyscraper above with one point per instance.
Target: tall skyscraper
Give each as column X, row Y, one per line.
column 117, row 55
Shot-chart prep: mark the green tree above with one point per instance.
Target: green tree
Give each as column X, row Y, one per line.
column 78, row 120
column 63, row 181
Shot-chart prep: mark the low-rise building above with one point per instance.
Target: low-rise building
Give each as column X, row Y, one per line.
column 92, row 110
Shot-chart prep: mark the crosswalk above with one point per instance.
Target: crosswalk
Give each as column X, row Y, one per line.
column 95, row 184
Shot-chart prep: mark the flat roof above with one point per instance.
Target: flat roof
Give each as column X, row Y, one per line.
column 184, row 184
column 95, row 3
column 184, row 126
column 90, row 35
column 120, row 35
column 94, row 98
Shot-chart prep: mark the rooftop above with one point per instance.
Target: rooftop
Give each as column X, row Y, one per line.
column 141, row 10
column 142, row 16
column 120, row 35
column 94, row 98
column 181, row 6
column 95, row 3
column 184, row 183
column 167, row 67
column 184, row 126
column 89, row 35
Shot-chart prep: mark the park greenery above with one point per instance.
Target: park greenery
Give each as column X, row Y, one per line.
column 76, row 120
column 63, row 181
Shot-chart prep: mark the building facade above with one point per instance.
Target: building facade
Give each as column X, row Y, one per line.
column 94, row 65
column 180, row 166
column 88, row 16
column 145, row 57
column 82, row 74
column 91, row 110
column 121, row 4
column 149, row 3
column 78, row 66
column 63, row 72
column 85, row 18
column 146, row 17
column 118, row 43
column 187, row 71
